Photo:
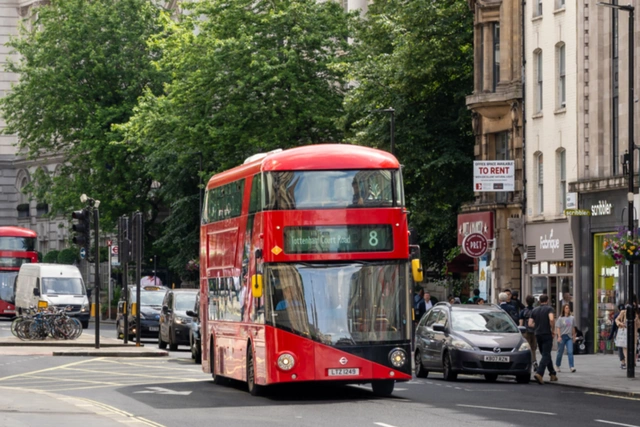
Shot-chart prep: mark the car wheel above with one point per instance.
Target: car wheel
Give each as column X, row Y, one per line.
column 447, row 370
column 421, row 372
column 172, row 346
column 491, row 378
column 198, row 353
column 161, row 344
column 192, row 347
column 383, row 388
column 523, row 379
column 254, row 389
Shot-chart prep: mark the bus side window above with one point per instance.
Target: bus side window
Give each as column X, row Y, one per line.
column 213, row 299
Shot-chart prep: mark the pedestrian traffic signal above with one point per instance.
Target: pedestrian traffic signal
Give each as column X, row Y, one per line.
column 82, row 229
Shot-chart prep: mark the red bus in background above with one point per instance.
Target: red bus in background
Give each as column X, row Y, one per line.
column 17, row 247
column 306, row 269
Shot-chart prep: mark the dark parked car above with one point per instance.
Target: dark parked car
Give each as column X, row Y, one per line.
column 150, row 303
column 471, row 339
column 175, row 324
column 194, row 336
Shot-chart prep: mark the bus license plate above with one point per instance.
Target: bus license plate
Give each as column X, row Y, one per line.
column 340, row 372
column 503, row 359
column 153, row 329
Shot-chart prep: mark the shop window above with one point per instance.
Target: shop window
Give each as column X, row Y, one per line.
column 606, row 294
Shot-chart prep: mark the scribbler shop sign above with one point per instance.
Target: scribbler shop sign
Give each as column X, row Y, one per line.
column 495, row 175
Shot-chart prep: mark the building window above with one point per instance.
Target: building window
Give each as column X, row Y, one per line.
column 538, row 63
column 562, row 81
column 560, row 4
column 540, row 184
column 496, row 55
column 562, row 180
column 502, row 153
column 539, row 8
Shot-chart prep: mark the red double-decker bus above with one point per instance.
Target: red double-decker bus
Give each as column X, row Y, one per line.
column 306, row 270
column 17, row 247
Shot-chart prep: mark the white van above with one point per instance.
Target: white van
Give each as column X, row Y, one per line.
column 57, row 285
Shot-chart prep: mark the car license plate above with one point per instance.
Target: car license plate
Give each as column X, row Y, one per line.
column 341, row 372
column 153, row 328
column 9, row 311
column 502, row 359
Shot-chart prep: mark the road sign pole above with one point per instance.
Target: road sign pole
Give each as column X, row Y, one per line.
column 109, row 290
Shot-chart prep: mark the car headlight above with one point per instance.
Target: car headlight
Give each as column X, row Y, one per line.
column 461, row 345
column 397, row 357
column 85, row 307
column 524, row 346
column 286, row 362
column 183, row 320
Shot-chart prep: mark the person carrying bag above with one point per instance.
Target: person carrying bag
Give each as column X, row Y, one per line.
column 621, row 336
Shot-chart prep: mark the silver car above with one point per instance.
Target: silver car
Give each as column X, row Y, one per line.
column 471, row 339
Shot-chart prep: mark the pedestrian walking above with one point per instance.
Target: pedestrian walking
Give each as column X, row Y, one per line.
column 506, row 306
column 423, row 306
column 614, row 332
column 621, row 336
column 566, row 333
column 544, row 322
column 529, row 334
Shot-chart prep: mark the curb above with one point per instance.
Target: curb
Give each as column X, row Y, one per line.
column 586, row 388
column 56, row 344
column 98, row 353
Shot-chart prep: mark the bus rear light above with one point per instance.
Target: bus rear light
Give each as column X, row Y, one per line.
column 286, row 362
column 398, row 357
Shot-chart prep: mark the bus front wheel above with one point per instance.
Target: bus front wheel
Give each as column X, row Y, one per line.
column 383, row 388
column 254, row 389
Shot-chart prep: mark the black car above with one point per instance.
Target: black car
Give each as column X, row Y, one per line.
column 471, row 339
column 194, row 335
column 151, row 298
column 175, row 324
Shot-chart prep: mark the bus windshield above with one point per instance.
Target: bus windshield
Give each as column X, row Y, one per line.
column 339, row 304
column 7, row 280
column 332, row 189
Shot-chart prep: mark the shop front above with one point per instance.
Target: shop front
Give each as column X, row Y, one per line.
column 604, row 282
column 550, row 263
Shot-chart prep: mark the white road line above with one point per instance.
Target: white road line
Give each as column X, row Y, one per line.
column 613, row 396
column 383, row 425
column 507, row 409
column 614, row 423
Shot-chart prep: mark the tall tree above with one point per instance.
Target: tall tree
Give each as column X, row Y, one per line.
column 82, row 66
column 247, row 76
column 417, row 58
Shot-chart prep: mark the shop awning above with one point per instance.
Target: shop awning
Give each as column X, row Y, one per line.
column 463, row 263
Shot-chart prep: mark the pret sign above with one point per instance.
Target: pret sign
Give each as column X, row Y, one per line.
column 475, row 245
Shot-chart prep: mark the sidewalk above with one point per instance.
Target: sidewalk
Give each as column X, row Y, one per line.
column 598, row 373
column 85, row 345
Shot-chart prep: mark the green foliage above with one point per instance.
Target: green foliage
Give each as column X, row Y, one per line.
column 82, row 66
column 254, row 76
column 51, row 257
column 417, row 57
column 68, row 256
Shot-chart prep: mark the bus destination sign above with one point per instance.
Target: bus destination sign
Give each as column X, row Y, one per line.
column 338, row 238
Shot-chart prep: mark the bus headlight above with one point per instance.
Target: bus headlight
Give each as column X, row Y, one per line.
column 286, row 362
column 398, row 357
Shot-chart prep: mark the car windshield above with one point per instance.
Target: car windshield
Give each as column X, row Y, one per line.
column 62, row 286
column 149, row 297
column 340, row 304
column 185, row 301
column 482, row 321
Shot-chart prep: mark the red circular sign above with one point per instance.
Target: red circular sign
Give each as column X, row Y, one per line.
column 475, row 245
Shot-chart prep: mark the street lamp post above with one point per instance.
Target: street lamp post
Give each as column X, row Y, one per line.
column 631, row 357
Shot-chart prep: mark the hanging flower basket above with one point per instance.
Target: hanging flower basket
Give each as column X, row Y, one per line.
column 623, row 247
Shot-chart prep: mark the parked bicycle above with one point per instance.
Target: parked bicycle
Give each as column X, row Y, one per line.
column 38, row 325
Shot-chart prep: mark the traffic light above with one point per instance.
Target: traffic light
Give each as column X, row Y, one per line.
column 82, row 229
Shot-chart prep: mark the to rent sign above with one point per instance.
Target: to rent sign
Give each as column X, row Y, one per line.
column 494, row 175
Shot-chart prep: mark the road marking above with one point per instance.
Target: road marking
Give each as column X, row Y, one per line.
column 161, row 390
column 46, row 370
column 383, row 425
column 614, row 423
column 613, row 396
column 507, row 409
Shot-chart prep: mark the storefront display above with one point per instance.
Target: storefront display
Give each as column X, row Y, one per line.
column 607, row 289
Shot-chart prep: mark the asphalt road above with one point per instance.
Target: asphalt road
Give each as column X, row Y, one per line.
column 173, row 392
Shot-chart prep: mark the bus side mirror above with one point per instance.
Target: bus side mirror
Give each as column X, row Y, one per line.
column 416, row 270
column 256, row 285
column 36, row 292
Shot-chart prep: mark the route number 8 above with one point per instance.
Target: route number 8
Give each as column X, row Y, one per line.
column 373, row 238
